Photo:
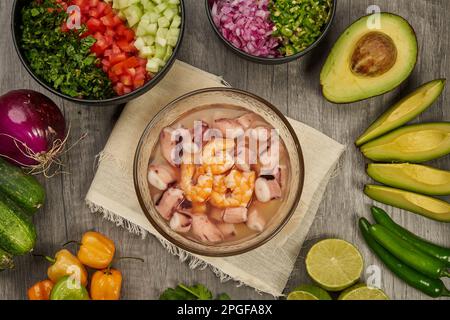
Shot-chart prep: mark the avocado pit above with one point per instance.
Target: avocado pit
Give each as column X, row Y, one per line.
column 375, row 53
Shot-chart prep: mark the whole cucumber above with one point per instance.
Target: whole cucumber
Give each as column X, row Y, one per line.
column 24, row 189
column 441, row 253
column 431, row 287
column 6, row 260
column 17, row 232
column 408, row 254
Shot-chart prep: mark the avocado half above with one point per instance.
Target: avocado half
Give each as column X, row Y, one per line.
column 368, row 60
column 414, row 143
column 429, row 207
column 404, row 111
column 412, row 177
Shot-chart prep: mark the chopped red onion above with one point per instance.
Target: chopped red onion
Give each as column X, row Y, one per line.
column 246, row 25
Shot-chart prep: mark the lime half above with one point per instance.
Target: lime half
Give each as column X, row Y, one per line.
column 334, row 264
column 301, row 295
column 308, row 289
column 363, row 292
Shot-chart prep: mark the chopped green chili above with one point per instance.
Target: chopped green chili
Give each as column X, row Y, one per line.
column 61, row 59
column 298, row 23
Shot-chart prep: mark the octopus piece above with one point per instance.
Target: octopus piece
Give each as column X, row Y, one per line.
column 180, row 222
column 216, row 214
column 235, row 215
column 161, row 176
column 230, row 128
column 261, row 134
column 169, row 201
column 228, row 230
column 255, row 220
column 267, row 189
column 171, row 149
column 245, row 158
column 204, row 230
column 247, row 120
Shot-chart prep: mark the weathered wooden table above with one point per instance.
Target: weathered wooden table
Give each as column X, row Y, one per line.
column 294, row 88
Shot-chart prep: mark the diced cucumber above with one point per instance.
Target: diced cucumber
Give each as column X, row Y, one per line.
column 139, row 43
column 174, row 2
column 173, row 33
column 146, row 52
column 141, row 30
column 161, row 7
column 162, row 32
column 176, row 22
column 161, row 41
column 163, row 22
column 160, row 51
column 158, row 1
column 149, row 40
column 133, row 14
column 151, row 17
column 152, row 28
column 172, row 41
column 169, row 14
column 152, row 65
column 169, row 53
column 148, row 5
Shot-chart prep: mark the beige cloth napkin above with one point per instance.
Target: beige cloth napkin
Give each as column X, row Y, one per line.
column 112, row 193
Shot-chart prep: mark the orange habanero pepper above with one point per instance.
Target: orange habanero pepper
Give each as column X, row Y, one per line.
column 96, row 250
column 40, row 290
column 65, row 264
column 106, row 284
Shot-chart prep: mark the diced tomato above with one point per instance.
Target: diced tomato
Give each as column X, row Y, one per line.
column 127, row 90
column 126, row 79
column 131, row 62
column 116, row 58
column 114, row 45
column 117, row 69
column 95, row 25
column 126, row 46
column 94, row 3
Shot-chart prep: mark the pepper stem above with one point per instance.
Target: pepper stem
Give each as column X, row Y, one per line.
column 108, row 270
column 49, row 259
column 70, row 242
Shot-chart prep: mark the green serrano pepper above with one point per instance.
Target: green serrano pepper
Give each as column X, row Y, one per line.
column 441, row 253
column 432, row 287
column 409, row 254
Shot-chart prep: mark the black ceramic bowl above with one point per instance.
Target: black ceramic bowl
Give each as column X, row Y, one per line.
column 280, row 60
column 15, row 28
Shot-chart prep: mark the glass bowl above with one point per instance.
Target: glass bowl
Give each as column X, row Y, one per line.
column 183, row 105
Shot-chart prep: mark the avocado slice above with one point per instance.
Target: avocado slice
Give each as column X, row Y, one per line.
column 413, row 143
column 424, row 205
column 404, row 111
column 412, row 177
column 367, row 61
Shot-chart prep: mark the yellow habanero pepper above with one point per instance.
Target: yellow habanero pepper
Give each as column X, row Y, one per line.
column 66, row 264
column 106, row 284
column 96, row 250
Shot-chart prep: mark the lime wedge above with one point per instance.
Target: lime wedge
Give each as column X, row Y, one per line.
column 363, row 292
column 334, row 264
column 308, row 290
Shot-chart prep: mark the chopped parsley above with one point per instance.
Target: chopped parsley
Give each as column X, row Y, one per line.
column 62, row 59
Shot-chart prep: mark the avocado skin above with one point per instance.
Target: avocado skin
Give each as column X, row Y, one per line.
column 396, row 175
column 382, row 127
column 396, row 198
column 346, row 31
column 380, row 150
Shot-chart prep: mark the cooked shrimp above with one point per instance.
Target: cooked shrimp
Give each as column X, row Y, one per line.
column 241, row 186
column 200, row 190
column 217, row 155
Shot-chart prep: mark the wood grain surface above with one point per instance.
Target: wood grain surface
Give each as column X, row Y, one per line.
column 294, row 88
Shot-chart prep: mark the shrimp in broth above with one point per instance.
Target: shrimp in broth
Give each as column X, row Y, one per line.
column 219, row 174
